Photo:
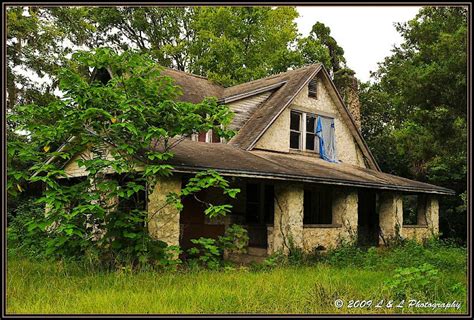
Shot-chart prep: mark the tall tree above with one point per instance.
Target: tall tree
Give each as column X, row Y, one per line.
column 420, row 95
column 239, row 44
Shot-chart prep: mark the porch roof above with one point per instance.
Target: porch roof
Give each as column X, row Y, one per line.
column 229, row 160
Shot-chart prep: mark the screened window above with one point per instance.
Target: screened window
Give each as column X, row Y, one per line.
column 317, row 205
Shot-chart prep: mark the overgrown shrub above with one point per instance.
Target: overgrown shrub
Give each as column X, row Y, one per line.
column 206, row 253
column 21, row 236
column 413, row 282
column 235, row 239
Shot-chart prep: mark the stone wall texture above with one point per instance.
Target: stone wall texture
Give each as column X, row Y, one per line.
column 164, row 219
column 390, row 215
column 288, row 222
column 344, row 227
column 428, row 222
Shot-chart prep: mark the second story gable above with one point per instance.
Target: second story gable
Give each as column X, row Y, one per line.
column 294, row 130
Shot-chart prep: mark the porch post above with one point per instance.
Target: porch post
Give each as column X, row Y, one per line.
column 345, row 212
column 390, row 216
column 164, row 219
column 288, row 221
column 432, row 214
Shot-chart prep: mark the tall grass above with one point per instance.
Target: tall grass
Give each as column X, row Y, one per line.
column 312, row 287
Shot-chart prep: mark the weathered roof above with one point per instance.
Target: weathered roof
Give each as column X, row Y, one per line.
column 192, row 156
column 195, row 88
column 288, row 85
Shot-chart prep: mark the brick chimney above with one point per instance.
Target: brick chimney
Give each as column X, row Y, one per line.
column 347, row 85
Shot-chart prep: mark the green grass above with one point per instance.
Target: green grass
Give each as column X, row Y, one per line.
column 59, row 287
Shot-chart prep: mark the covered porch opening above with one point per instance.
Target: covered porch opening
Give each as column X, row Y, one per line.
column 253, row 208
column 368, row 218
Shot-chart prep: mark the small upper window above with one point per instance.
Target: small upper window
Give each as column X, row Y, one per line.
column 313, row 88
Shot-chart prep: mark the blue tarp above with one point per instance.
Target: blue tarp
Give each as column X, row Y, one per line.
column 327, row 139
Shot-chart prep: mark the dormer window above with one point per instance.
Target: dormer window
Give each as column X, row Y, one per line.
column 302, row 131
column 314, row 133
column 313, row 88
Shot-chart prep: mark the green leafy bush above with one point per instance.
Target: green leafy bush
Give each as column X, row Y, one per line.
column 413, row 282
column 206, row 253
column 235, row 239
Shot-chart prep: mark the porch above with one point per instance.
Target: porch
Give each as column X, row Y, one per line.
column 281, row 215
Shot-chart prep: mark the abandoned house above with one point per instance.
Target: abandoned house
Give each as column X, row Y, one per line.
column 304, row 170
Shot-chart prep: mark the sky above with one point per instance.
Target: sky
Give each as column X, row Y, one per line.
column 367, row 34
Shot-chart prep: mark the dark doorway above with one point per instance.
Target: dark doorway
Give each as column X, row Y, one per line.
column 259, row 212
column 368, row 219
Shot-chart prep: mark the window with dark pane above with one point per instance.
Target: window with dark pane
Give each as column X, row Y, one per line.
column 295, row 130
column 215, row 137
column 312, row 88
column 310, row 132
column 295, row 121
column 253, row 202
column 317, row 204
column 202, row 136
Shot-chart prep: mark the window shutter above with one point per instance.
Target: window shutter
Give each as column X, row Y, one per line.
column 312, row 88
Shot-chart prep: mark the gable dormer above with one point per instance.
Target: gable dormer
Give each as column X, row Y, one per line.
column 294, row 130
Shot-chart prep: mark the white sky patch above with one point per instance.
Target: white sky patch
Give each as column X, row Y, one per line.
column 367, row 34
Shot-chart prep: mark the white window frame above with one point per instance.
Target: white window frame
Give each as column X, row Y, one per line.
column 303, row 116
column 302, row 131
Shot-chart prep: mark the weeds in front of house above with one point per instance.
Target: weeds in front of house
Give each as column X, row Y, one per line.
column 297, row 283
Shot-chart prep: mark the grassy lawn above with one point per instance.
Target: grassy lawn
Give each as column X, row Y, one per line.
column 58, row 287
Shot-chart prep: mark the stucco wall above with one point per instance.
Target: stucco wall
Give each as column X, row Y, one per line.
column 164, row 219
column 390, row 216
column 428, row 222
column 288, row 221
column 344, row 227
column 277, row 136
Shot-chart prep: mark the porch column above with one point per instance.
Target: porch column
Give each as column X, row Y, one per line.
column 390, row 216
column 432, row 214
column 345, row 213
column 288, row 221
column 164, row 219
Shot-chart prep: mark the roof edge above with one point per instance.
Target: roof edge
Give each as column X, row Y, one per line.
column 296, row 92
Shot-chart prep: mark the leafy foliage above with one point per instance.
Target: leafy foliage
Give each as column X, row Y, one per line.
column 413, row 282
column 414, row 116
column 127, row 126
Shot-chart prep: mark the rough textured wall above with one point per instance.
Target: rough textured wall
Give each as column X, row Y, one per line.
column 244, row 108
column 164, row 219
column 277, row 136
column 322, row 238
column 428, row 222
column 288, row 224
column 344, row 227
column 390, row 216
